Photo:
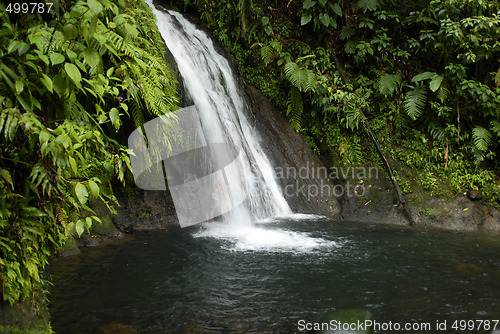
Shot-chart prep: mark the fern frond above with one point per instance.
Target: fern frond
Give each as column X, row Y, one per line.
column 356, row 150
column 388, row 83
column 310, row 82
column 437, row 133
column 266, row 52
column 415, row 101
column 481, row 137
column 442, row 93
column 295, row 108
column 290, row 67
column 276, row 45
column 9, row 123
column 368, row 5
column 303, row 79
column 136, row 113
column 495, row 127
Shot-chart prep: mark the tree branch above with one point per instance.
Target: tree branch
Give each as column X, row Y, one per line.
column 395, row 184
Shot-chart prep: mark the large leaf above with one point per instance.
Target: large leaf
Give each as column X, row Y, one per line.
column 308, row 4
column 266, row 53
column 336, row 9
column 424, row 76
column 13, row 46
column 91, row 56
column 47, row 82
column 81, row 193
column 73, row 72
column 93, row 25
column 94, row 6
column 324, row 18
column 114, row 115
column 94, row 188
column 70, row 31
column 56, row 58
column 59, row 83
column 435, row 82
column 80, row 227
column 305, row 19
column 415, row 101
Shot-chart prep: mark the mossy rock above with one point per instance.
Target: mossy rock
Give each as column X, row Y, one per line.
column 23, row 319
column 344, row 321
column 69, row 248
column 14, row 329
column 105, row 228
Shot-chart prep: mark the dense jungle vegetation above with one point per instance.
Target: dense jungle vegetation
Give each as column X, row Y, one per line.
column 74, row 83
column 425, row 74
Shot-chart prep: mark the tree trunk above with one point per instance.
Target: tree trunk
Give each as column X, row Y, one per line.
column 395, row 184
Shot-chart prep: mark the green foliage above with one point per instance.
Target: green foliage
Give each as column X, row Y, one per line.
column 67, row 87
column 424, row 73
column 322, row 13
column 295, row 108
column 301, row 78
column 425, row 212
column 481, row 137
column 415, row 101
column 389, row 83
column 368, row 4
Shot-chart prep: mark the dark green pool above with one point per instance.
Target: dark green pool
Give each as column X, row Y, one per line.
column 266, row 279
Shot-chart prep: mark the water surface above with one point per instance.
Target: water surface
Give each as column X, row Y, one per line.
column 264, row 279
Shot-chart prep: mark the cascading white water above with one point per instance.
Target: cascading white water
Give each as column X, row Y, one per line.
column 209, row 83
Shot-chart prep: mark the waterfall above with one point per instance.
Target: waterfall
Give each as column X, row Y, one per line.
column 209, row 83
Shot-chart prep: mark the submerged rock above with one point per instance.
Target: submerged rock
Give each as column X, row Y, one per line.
column 469, row 269
column 344, row 321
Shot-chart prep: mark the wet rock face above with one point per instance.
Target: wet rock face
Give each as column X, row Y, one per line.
column 307, row 184
column 146, row 210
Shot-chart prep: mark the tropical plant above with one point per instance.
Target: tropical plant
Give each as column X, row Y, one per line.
column 67, row 88
column 424, row 73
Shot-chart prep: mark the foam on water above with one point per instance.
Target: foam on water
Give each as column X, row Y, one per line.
column 262, row 237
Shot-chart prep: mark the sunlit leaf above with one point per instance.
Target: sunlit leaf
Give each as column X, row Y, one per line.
column 81, row 193
column 94, row 188
column 305, row 19
column 56, row 58
column 73, row 72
